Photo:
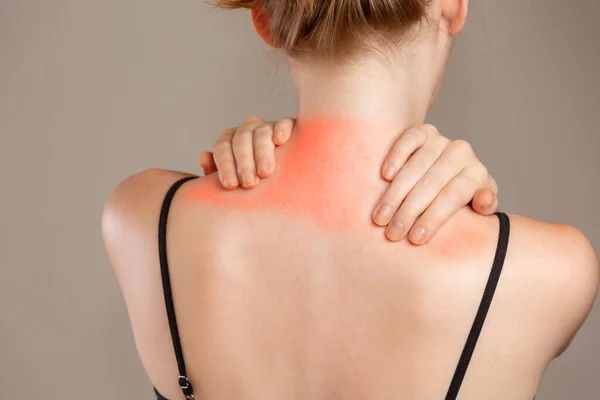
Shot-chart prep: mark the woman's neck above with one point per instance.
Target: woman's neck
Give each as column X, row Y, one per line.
column 349, row 116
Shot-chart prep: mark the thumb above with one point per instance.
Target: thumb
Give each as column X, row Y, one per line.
column 485, row 202
column 207, row 162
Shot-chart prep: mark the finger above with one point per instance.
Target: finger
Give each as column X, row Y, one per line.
column 243, row 151
column 485, row 202
column 422, row 195
column 408, row 176
column 264, row 150
column 408, row 143
column 450, row 164
column 283, row 131
column 224, row 160
column 455, row 195
column 207, row 162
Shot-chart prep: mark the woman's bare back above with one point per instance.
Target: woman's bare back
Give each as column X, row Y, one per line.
column 274, row 301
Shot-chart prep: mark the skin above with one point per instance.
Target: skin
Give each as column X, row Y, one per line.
column 426, row 195
column 281, row 293
column 273, row 305
column 306, row 167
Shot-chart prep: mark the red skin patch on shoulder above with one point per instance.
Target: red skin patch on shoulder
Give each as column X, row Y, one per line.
column 310, row 181
column 464, row 237
column 319, row 178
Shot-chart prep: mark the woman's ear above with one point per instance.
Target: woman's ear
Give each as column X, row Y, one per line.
column 262, row 25
column 455, row 12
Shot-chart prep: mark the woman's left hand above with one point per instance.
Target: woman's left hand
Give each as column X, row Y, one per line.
column 431, row 177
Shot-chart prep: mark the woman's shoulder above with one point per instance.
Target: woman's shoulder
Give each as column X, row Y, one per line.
column 149, row 183
column 138, row 195
column 559, row 244
column 555, row 265
column 130, row 214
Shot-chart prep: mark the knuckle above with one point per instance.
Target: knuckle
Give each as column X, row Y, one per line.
column 264, row 130
column 241, row 151
column 419, row 134
column 243, row 132
column 251, row 119
column 244, row 161
column 224, row 159
column 457, row 194
column 240, row 139
column 484, row 173
column 286, row 120
column 462, row 146
column 227, row 169
column 444, row 141
column 222, row 145
column 264, row 149
column 415, row 136
column 431, row 129
column 478, row 173
column 228, row 132
column 439, row 142
column 394, row 196
column 467, row 184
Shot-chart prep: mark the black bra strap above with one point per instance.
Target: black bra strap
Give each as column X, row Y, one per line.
column 183, row 381
column 484, row 306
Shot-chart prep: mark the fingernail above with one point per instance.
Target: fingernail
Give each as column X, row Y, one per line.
column 395, row 230
column 230, row 180
column 264, row 165
column 383, row 214
column 417, row 235
column 390, row 171
column 248, row 178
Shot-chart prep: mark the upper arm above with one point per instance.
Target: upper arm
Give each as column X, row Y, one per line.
column 582, row 278
column 130, row 232
column 561, row 274
column 554, row 283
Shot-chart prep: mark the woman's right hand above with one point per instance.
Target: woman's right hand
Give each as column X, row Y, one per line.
column 431, row 177
column 246, row 153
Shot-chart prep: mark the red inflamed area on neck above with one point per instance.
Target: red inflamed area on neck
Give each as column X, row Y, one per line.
column 316, row 178
column 320, row 178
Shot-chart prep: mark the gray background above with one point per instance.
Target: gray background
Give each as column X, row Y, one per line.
column 93, row 91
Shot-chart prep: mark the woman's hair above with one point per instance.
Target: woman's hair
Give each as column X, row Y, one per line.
column 334, row 28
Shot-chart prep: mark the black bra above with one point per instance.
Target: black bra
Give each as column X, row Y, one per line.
column 463, row 362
